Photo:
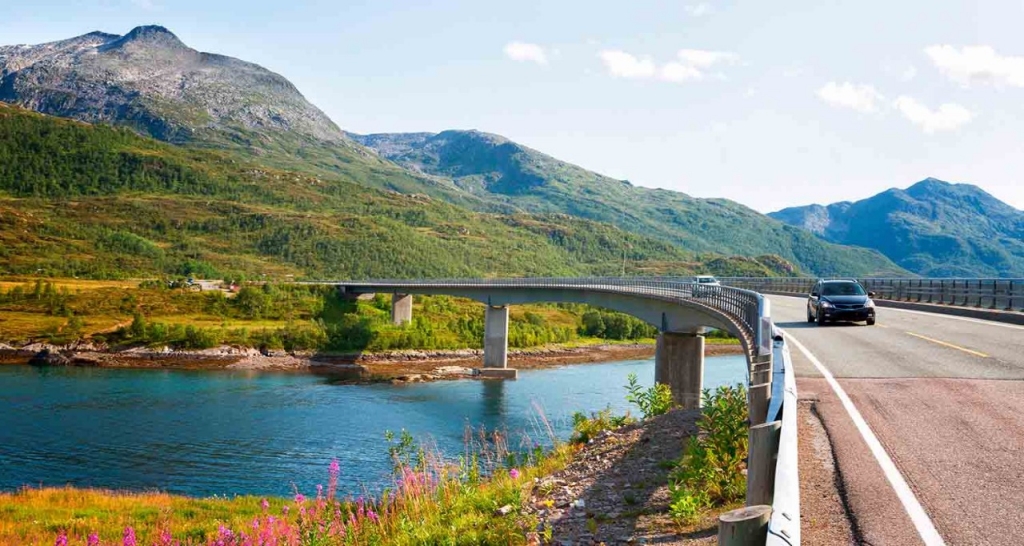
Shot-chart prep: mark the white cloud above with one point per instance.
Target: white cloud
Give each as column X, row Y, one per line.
column 689, row 67
column 698, row 10
column 948, row 117
column 704, row 59
column 977, row 64
column 678, row 73
column 525, row 52
column 909, row 73
column 623, row 65
column 862, row 98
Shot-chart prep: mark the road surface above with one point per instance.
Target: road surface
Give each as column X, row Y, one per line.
column 942, row 404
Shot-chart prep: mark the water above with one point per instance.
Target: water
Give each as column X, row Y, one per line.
column 227, row 433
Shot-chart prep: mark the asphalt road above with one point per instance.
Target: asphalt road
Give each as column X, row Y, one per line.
column 944, row 396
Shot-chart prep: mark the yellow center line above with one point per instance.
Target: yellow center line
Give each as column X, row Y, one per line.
column 950, row 345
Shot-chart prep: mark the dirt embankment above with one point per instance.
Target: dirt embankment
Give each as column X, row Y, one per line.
column 355, row 367
column 615, row 491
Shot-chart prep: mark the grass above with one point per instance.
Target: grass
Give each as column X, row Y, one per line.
column 35, row 516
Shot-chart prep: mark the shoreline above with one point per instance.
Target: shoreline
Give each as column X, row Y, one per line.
column 351, row 368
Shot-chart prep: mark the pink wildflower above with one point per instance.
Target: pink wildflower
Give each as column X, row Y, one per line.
column 300, row 498
column 129, row 537
column 332, row 478
column 514, row 473
column 372, row 516
column 93, row 540
column 265, row 505
column 62, row 539
column 165, row 538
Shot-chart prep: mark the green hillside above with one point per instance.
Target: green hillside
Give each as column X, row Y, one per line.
column 98, row 201
column 500, row 171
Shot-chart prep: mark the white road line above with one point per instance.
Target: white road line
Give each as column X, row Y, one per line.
column 918, row 516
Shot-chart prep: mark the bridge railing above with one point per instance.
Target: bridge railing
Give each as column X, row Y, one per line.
column 744, row 307
column 995, row 294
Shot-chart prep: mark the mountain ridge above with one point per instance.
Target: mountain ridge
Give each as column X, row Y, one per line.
column 493, row 167
column 933, row 228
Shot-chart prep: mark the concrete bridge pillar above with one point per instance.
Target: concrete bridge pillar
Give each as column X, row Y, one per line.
column 496, row 343
column 401, row 309
column 679, row 363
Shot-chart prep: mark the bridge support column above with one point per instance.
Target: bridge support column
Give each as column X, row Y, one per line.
column 401, row 309
column 496, row 344
column 679, row 363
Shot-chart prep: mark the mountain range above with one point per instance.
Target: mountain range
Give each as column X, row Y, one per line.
column 149, row 81
column 933, row 228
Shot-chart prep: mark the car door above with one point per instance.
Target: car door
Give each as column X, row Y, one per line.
column 813, row 299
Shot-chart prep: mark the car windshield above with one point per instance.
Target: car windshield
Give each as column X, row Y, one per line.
column 705, row 279
column 841, row 289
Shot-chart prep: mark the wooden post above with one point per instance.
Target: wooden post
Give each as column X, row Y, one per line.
column 763, row 450
column 760, row 399
column 744, row 526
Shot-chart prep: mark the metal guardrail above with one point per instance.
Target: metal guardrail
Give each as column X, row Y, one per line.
column 995, row 294
column 743, row 307
column 784, row 525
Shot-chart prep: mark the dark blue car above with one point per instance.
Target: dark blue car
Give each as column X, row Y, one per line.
column 840, row 301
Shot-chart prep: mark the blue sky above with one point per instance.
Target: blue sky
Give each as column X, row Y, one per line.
column 771, row 104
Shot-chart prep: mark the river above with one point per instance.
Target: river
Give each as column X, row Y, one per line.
column 205, row 433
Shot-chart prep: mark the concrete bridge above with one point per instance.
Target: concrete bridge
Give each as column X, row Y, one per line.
column 681, row 310
column 922, row 414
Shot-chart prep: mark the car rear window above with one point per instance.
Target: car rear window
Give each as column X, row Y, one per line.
column 842, row 289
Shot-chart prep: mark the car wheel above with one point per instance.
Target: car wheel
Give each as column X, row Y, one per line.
column 821, row 318
column 810, row 316
column 871, row 322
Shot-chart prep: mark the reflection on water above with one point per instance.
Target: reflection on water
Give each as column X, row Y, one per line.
column 244, row 432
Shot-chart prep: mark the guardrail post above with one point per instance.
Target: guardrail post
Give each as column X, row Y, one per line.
column 760, row 399
column 745, row 526
column 763, row 446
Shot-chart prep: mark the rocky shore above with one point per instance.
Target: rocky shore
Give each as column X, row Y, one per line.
column 395, row 366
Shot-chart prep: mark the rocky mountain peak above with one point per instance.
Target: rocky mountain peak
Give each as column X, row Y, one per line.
column 148, row 36
column 149, row 80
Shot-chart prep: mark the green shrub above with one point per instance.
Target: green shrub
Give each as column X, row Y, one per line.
column 586, row 428
column 653, row 401
column 711, row 470
column 198, row 338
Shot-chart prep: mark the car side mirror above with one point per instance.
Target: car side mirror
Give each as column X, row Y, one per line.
column 814, row 294
column 871, row 294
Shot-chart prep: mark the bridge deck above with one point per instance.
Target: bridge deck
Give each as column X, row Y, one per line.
column 945, row 398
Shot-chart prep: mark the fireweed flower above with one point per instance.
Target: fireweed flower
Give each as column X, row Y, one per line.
column 265, row 505
column 300, row 498
column 62, row 539
column 332, row 478
column 514, row 473
column 93, row 540
column 129, row 537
